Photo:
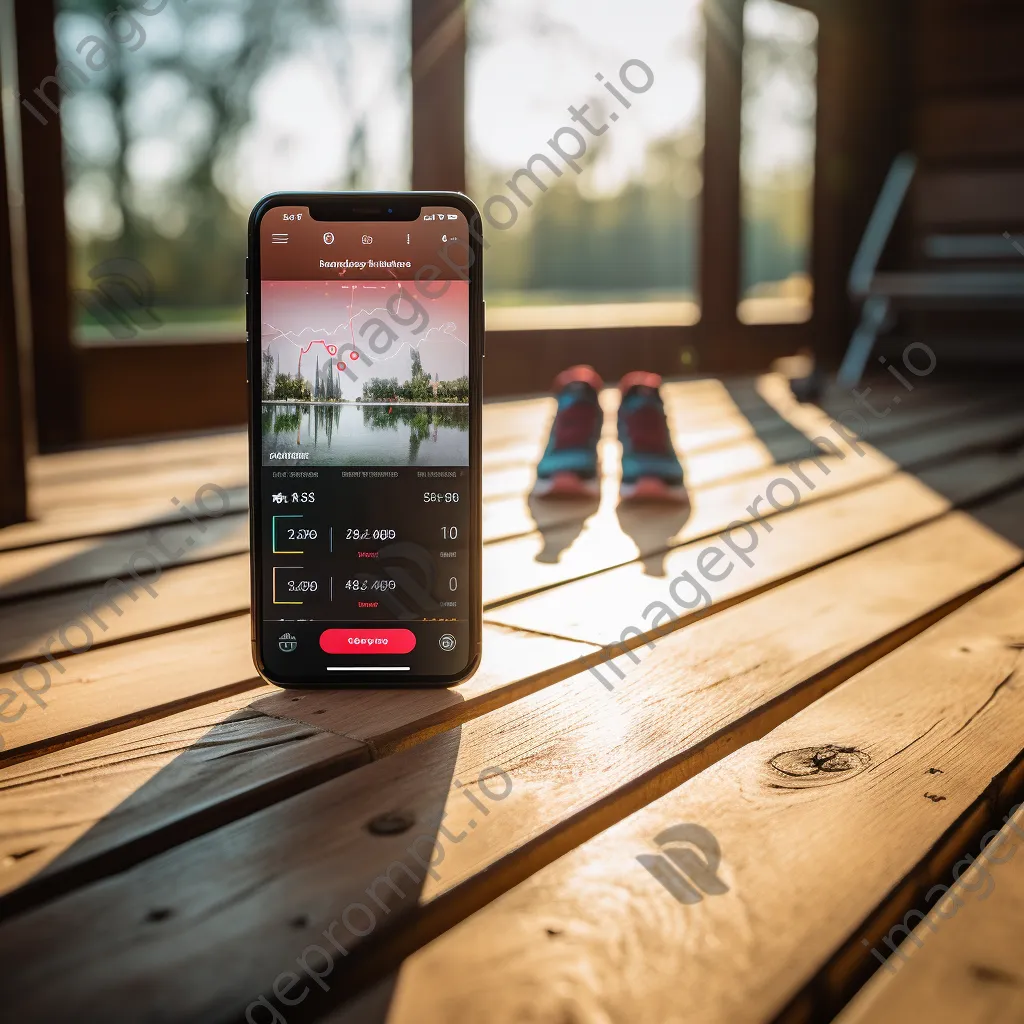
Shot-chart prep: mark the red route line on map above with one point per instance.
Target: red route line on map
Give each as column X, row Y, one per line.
column 320, row 341
column 327, row 348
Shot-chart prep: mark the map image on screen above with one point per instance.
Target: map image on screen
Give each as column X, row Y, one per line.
column 364, row 373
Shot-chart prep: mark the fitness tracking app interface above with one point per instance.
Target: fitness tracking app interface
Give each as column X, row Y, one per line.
column 364, row 362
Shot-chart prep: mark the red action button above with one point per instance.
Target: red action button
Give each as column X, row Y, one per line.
column 367, row 641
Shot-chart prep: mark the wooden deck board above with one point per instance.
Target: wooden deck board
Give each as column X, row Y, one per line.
column 265, row 733
column 750, row 450
column 802, row 856
column 614, row 536
column 87, row 520
column 186, row 595
column 108, row 689
column 580, row 759
column 964, row 968
column 201, row 592
column 601, row 608
column 59, row 566
column 165, row 805
column 391, row 721
column 61, row 495
column 712, row 435
column 82, row 812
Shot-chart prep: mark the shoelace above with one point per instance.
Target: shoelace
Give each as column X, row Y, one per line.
column 647, row 429
column 574, row 425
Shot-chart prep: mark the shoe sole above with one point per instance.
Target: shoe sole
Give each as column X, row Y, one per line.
column 652, row 488
column 566, row 485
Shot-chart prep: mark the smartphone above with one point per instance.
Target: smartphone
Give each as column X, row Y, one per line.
column 365, row 347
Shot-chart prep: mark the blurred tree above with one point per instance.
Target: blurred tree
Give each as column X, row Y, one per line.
column 267, row 376
column 155, row 128
column 294, row 389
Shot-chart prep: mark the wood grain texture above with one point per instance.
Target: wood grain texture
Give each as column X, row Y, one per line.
column 189, row 594
column 108, row 689
column 514, row 664
column 144, row 456
column 88, row 520
column 717, row 439
column 579, row 759
column 964, row 969
column 739, row 445
column 88, row 810
column 106, row 798
column 197, row 593
column 607, row 536
column 121, row 487
column 614, row 536
column 807, row 831
column 73, row 563
column 54, row 493
column 601, row 608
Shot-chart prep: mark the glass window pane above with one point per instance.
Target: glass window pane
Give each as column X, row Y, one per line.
column 619, row 225
column 780, row 100
column 177, row 121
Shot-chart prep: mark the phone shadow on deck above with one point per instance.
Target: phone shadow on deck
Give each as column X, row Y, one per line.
column 273, row 791
column 80, row 586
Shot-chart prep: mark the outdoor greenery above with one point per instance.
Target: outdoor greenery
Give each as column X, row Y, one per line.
column 418, row 388
column 161, row 140
column 390, row 417
column 318, row 424
column 280, row 387
column 291, row 388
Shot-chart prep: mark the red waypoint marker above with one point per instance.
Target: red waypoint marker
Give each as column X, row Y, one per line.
column 367, row 641
column 353, row 356
column 341, row 366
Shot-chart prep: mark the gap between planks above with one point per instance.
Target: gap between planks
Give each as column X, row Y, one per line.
column 896, row 505
column 46, row 567
column 964, row 967
column 106, row 796
column 220, row 588
column 386, row 722
column 256, row 875
column 795, row 867
column 589, row 613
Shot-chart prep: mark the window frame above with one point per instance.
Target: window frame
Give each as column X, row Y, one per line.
column 13, row 497
column 104, row 391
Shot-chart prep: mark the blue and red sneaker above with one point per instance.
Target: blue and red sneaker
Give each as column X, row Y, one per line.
column 650, row 467
column 568, row 467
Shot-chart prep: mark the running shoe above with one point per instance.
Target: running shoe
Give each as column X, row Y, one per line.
column 568, row 467
column 650, row 468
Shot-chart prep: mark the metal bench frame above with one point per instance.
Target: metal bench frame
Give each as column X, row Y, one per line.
column 882, row 294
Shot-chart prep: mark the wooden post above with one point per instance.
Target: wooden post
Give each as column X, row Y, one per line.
column 13, row 506
column 720, row 214
column 438, row 94
column 40, row 81
column 864, row 103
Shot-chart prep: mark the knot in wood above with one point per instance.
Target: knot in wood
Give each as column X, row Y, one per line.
column 391, row 823
column 807, row 762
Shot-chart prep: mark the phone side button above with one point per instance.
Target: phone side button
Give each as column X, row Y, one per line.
column 483, row 344
column 248, row 325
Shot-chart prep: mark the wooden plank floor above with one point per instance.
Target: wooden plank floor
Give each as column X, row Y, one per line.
column 713, row 765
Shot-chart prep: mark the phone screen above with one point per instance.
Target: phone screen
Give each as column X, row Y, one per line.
column 365, row 431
